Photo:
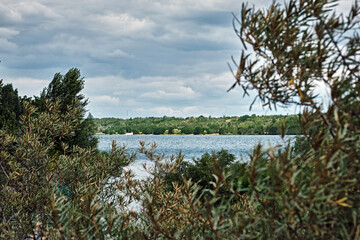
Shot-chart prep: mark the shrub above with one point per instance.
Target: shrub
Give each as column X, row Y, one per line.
column 56, row 194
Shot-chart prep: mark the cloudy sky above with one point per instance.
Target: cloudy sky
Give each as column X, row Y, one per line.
column 138, row 57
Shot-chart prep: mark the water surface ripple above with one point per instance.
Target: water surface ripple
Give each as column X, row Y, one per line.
column 192, row 146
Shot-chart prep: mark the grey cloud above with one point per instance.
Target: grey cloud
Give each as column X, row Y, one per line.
column 212, row 18
column 8, row 15
column 139, row 54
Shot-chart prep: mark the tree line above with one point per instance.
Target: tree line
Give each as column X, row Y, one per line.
column 244, row 125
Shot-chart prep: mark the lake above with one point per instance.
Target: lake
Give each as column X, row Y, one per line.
column 192, row 146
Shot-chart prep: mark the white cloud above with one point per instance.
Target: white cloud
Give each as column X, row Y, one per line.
column 105, row 99
column 25, row 12
column 27, row 86
column 167, row 111
column 175, row 94
column 121, row 25
column 29, row 9
column 5, row 39
column 7, row 46
column 8, row 32
column 9, row 14
column 119, row 53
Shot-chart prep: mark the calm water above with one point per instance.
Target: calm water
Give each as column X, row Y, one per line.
column 192, row 146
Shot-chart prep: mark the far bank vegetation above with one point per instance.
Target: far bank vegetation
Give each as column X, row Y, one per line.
column 244, row 125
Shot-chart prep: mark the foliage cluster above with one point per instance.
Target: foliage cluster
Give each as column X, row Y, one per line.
column 63, row 88
column 67, row 90
column 244, row 125
column 201, row 171
column 10, row 108
column 50, row 193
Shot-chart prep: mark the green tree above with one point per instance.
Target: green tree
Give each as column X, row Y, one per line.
column 67, row 90
column 10, row 108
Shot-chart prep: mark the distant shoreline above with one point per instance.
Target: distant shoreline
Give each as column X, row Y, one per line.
column 141, row 134
column 244, row 125
column 196, row 134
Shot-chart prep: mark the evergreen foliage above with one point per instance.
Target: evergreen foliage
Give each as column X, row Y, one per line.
column 10, row 108
column 67, row 89
column 201, row 171
column 55, row 195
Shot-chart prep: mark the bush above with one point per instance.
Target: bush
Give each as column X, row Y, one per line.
column 53, row 194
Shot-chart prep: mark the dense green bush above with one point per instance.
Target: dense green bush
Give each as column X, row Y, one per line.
column 202, row 170
column 55, row 194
